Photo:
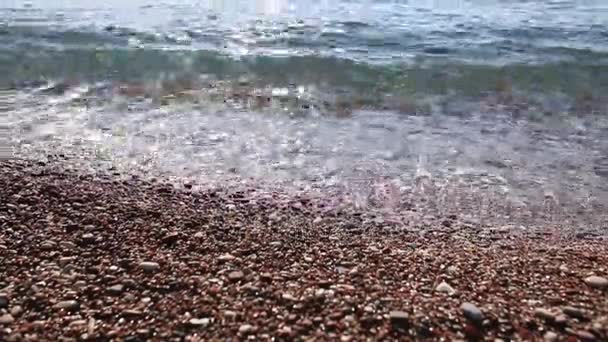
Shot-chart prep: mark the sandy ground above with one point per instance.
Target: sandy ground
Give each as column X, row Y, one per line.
column 107, row 258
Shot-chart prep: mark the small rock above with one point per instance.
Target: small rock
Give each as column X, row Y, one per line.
column 3, row 301
column 70, row 305
column 585, row 336
column 67, row 245
column 399, row 320
column 226, row 258
column 445, row 288
column 575, row 312
column 544, row 314
column 246, row 329
column 6, row 319
column 289, row 297
column 561, row 320
column 199, row 322
column 550, row 336
column 236, row 275
column 132, row 313
column 116, row 289
column 88, row 238
column 170, row 238
column 597, row 282
column 471, row 312
column 149, row 266
column 199, row 235
column 47, row 245
column 16, row 310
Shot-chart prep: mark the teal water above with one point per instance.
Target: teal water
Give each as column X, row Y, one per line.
column 509, row 96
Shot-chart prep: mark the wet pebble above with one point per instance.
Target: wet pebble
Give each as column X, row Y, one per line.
column 544, row 314
column 88, row 238
column 199, row 322
column 575, row 312
column 47, row 245
column 246, row 329
column 550, row 336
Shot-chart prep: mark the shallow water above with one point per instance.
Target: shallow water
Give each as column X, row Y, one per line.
column 504, row 96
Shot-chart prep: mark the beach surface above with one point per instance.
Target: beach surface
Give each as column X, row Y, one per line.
column 113, row 257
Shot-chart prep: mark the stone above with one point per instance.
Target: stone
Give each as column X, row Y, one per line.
column 399, row 320
column 575, row 312
column 132, row 313
column 544, row 314
column 170, row 238
column 16, row 310
column 597, row 282
column 585, row 336
column 116, row 289
column 471, row 312
column 67, row 245
column 199, row 235
column 149, row 266
column 6, row 319
column 199, row 322
column 4, row 301
column 288, row 297
column 550, row 336
column 47, row 245
column 236, row 275
column 226, row 257
column 246, row 329
column 445, row 288
column 88, row 238
column 69, row 305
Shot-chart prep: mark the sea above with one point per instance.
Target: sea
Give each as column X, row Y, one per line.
column 504, row 98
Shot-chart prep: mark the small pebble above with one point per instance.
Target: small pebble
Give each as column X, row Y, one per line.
column 544, row 314
column 471, row 312
column 70, row 305
column 149, row 266
column 16, row 310
column 200, row 322
column 226, row 258
column 235, row 275
column 585, row 336
column 445, row 288
column 3, row 301
column 116, row 289
column 88, row 238
column 597, row 282
column 246, row 329
column 47, row 245
column 575, row 312
column 550, row 336
column 399, row 320
column 6, row 319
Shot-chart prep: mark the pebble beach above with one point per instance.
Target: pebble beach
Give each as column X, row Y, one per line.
column 103, row 257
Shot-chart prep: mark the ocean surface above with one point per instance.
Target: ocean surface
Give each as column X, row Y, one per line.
column 503, row 96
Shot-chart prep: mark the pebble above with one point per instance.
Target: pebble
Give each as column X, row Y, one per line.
column 200, row 322
column 550, row 336
column 471, row 312
column 132, row 313
column 585, row 336
column 226, row 258
column 246, row 328
column 116, row 289
column 67, row 245
column 3, row 301
column 597, row 282
column 16, row 310
column 575, row 312
column 399, row 320
column 445, row 288
column 47, row 245
column 171, row 238
column 6, row 319
column 236, row 275
column 149, row 266
column 199, row 235
column 88, row 238
column 544, row 314
column 67, row 305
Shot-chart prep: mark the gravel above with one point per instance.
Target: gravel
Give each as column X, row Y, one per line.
column 294, row 275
